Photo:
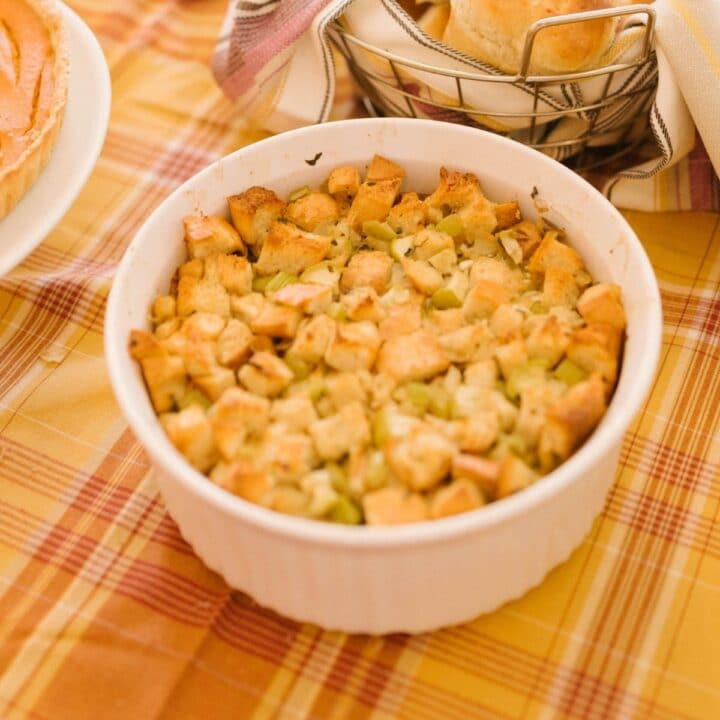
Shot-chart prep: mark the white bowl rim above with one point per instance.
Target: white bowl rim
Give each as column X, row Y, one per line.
column 171, row 462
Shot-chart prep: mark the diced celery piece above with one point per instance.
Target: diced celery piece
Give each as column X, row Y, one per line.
column 523, row 377
column 379, row 427
column 439, row 402
column 445, row 298
column 193, row 397
column 337, row 311
column 315, row 388
column 300, row 192
column 452, row 225
column 377, row 471
column 259, row 284
column 569, row 372
column 280, row 280
column 418, row 395
column 344, row 511
column 538, row 308
column 379, row 230
column 402, row 247
column 508, row 444
column 300, row 368
column 338, row 477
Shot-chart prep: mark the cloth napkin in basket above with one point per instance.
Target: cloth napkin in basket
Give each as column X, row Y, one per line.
column 275, row 58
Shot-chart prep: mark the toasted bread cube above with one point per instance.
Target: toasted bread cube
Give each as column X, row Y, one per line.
column 216, row 382
column 506, row 319
column 363, row 303
column 265, row 374
column 559, row 287
column 465, row 344
column 394, row 506
column 296, row 413
column 416, row 356
column 163, row 309
column 242, row 478
column 548, row 340
column 354, row 346
column 235, row 417
column 209, row 234
column 200, row 357
column 313, row 339
column 234, row 273
column 253, row 211
column 423, row 276
column 420, row 459
column 553, row 253
column 483, row 299
column 458, row 497
column 515, row 475
column 402, row 318
column 484, row 473
column 192, row 268
column 289, row 455
column 233, row 344
column 165, row 377
column 527, row 237
column 191, row 433
column 482, row 373
column 168, row 328
column 595, row 348
column 344, row 388
column 476, row 433
column 534, row 402
column 247, row 307
column 444, row 321
column 456, row 190
column 497, row 271
column 338, row 434
column 511, row 353
column 381, row 168
column 373, row 201
column 602, row 303
column 312, row 210
column 276, row 321
column 507, row 214
column 570, row 420
column 479, row 221
column 430, row 242
column 144, row 344
column 286, row 499
column 409, row 215
column 203, row 326
column 204, row 296
column 308, row 297
column 368, row 268
column 291, row 250
column 343, row 182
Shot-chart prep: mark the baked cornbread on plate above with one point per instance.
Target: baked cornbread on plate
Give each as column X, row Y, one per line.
column 34, row 68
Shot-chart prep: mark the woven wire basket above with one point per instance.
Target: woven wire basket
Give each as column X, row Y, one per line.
column 609, row 126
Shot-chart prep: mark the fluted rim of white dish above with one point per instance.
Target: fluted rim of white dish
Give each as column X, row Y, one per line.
column 620, row 412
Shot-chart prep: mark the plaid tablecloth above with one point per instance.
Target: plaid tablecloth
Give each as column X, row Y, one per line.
column 106, row 613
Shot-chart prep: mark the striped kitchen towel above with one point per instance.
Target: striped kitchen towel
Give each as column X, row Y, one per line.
column 275, row 57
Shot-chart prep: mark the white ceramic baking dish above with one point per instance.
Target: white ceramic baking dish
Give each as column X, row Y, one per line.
column 417, row 577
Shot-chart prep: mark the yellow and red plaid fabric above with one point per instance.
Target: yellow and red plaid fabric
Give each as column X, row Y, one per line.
column 106, row 613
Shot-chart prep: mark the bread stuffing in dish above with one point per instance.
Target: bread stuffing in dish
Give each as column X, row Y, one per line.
column 362, row 355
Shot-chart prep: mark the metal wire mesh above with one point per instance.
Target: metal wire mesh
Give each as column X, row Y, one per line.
column 609, row 125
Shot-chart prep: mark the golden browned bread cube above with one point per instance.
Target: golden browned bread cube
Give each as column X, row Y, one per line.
column 343, row 182
column 515, row 475
column 312, row 210
column 204, row 296
column 216, row 382
column 276, row 321
column 308, row 297
column 236, row 416
column 243, row 478
column 253, row 211
column 511, row 353
column 336, row 435
column 353, row 347
column 483, row 298
column 144, row 344
column 456, row 190
column 409, row 215
column 476, row 433
column 602, row 303
column 247, row 307
column 265, row 374
column 483, row 472
column 559, row 287
column 548, row 340
column 344, row 388
column 373, row 201
column 415, row 356
column 595, row 349
column 291, row 250
column 457, row 497
column 296, row 412
column 430, row 242
column 381, row 168
column 394, row 506
column 191, row 433
column 289, row 455
column 507, row 215
column 312, row 339
column 209, row 234
column 165, row 377
column 368, row 268
column 402, row 318
column 553, row 253
column 233, row 344
column 420, row 459
column 234, row 273
column 570, row 420
column 423, row 276
column 463, row 345
column 363, row 303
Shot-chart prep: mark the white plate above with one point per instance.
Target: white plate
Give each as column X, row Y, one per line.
column 75, row 154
